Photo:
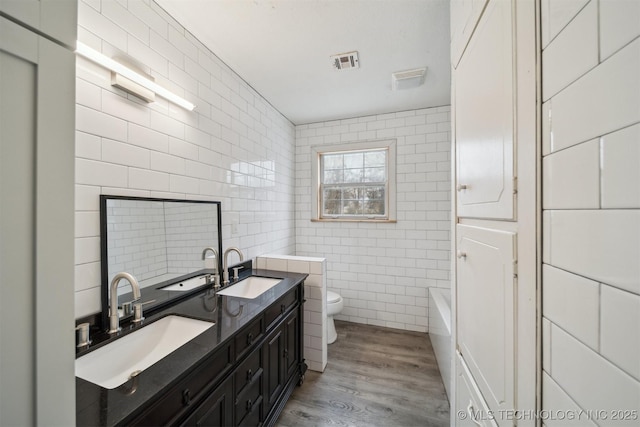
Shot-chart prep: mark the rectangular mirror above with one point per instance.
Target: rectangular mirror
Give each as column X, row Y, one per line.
column 160, row 242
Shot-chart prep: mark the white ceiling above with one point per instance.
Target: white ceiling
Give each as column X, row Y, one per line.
column 282, row 49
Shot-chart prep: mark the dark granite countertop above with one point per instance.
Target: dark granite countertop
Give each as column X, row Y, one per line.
column 107, row 407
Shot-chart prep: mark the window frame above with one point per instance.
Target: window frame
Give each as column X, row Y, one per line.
column 390, row 193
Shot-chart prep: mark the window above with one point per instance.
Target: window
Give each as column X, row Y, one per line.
column 354, row 181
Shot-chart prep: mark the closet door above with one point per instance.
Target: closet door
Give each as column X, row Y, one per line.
column 464, row 18
column 37, row 117
column 473, row 410
column 486, row 311
column 484, row 114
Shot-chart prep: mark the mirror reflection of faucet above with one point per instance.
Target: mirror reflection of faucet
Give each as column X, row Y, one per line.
column 114, row 318
column 210, row 300
column 216, row 276
column 229, row 313
column 225, row 265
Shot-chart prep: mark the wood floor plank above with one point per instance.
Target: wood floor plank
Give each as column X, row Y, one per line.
column 375, row 377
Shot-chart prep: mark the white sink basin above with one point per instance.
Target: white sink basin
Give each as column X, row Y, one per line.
column 250, row 288
column 112, row 365
column 186, row 285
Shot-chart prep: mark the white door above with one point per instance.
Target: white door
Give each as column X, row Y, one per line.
column 484, row 113
column 464, row 18
column 37, row 116
column 473, row 410
column 486, row 311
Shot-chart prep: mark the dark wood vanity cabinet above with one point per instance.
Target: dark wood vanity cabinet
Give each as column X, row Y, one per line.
column 245, row 383
column 216, row 410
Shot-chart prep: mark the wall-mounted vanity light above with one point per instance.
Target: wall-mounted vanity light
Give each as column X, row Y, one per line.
column 143, row 87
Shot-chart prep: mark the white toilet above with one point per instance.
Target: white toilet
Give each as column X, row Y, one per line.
column 335, row 303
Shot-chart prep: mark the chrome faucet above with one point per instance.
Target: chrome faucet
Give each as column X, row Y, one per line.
column 216, row 276
column 114, row 319
column 225, row 270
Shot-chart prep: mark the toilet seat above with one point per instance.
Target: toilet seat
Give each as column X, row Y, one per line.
column 333, row 297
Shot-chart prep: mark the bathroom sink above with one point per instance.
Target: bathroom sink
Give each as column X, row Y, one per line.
column 113, row 365
column 186, row 285
column 250, row 288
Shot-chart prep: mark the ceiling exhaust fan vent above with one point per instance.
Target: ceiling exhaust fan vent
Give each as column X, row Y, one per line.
column 407, row 79
column 345, row 61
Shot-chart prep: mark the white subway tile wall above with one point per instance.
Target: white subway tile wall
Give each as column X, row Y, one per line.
column 591, row 220
column 383, row 271
column 235, row 147
column 315, row 308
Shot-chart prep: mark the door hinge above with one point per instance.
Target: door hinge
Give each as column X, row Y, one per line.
column 515, row 268
column 515, row 185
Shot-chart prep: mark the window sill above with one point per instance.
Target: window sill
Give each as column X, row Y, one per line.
column 382, row 221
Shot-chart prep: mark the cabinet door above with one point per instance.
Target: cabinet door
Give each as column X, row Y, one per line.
column 464, row 17
column 485, row 306
column 484, row 111
column 476, row 413
column 273, row 367
column 216, row 410
column 291, row 354
column 37, row 128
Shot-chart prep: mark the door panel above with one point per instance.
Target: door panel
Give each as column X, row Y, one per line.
column 37, row 122
column 486, row 311
column 470, row 401
column 274, row 367
column 291, row 349
column 464, row 18
column 484, row 111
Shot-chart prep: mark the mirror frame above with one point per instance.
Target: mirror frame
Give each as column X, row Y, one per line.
column 104, row 255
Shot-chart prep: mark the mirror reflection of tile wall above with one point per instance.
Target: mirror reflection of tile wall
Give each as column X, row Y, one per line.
column 156, row 240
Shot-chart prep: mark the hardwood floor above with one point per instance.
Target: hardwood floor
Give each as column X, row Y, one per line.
column 375, row 377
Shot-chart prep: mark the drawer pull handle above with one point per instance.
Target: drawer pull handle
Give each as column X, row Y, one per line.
column 249, row 405
column 186, row 397
column 282, row 308
column 249, row 375
column 250, row 339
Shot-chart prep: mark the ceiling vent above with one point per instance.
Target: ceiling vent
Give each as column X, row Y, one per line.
column 345, row 61
column 407, row 79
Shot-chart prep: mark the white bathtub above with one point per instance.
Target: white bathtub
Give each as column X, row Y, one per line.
column 440, row 332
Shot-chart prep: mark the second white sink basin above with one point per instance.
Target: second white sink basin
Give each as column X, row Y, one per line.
column 186, row 285
column 112, row 365
column 250, row 288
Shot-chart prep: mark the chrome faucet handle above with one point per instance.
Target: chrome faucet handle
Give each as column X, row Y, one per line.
column 127, row 308
column 137, row 313
column 82, row 335
column 235, row 272
column 216, row 280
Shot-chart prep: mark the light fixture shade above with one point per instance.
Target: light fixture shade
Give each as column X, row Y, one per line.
column 408, row 79
column 118, row 68
column 129, row 86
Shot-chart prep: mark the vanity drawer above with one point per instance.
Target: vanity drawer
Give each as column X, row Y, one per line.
column 248, row 371
column 189, row 390
column 277, row 310
column 252, row 418
column 249, row 402
column 248, row 336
